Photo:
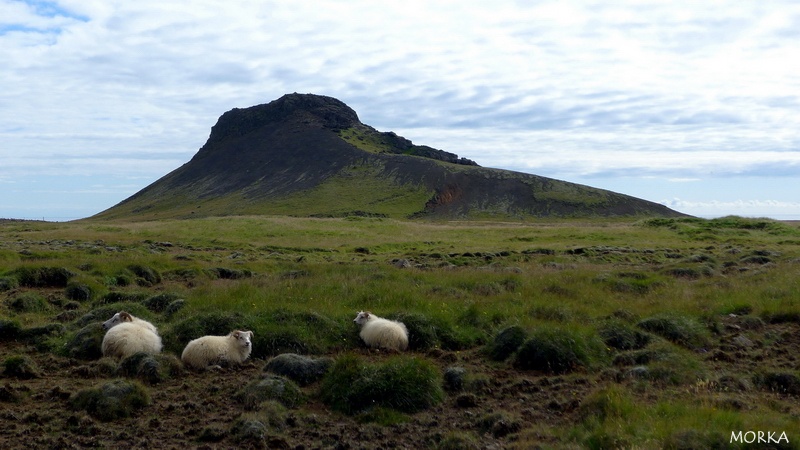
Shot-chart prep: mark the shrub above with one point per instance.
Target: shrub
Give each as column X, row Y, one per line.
column 454, row 378
column 284, row 331
column 782, row 382
column 28, row 302
column 621, row 336
column 22, row 367
column 250, row 433
column 684, row 272
column 55, row 277
column 271, row 387
column 782, row 317
column 152, row 369
column 633, row 282
column 79, row 292
column 111, row 400
column 86, row 343
column 681, row 330
column 303, row 370
column 158, row 303
column 425, row 333
column 506, row 343
column 664, row 364
column 229, row 274
column 404, row 383
column 458, row 441
column 50, row 329
column 559, row 350
column 9, row 330
column 147, row 276
column 8, row 283
column 122, row 297
column 607, row 403
column 499, row 424
column 174, row 307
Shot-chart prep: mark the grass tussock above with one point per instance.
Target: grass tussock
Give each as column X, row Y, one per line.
column 270, row 388
column 403, row 383
column 560, row 350
column 506, row 342
column 685, row 331
column 112, row 400
column 303, row 370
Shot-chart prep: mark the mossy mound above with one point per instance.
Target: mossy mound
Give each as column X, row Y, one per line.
column 622, row 336
column 21, row 367
column 506, row 342
column 28, row 302
column 151, row 369
column 112, row 400
column 303, row 370
column 9, row 330
column 425, row 333
column 271, row 387
column 684, row 331
column 86, row 343
column 43, row 277
column 404, row 383
column 559, row 350
column 79, row 292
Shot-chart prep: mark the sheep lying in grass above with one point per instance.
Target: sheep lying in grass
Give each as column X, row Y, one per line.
column 380, row 332
column 212, row 350
column 127, row 335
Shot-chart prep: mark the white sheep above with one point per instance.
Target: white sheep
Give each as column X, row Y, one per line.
column 127, row 335
column 379, row 332
column 206, row 351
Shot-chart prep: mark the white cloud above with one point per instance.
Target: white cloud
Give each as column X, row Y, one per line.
column 681, row 90
column 775, row 209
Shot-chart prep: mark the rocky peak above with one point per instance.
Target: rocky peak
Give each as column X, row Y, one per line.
column 324, row 111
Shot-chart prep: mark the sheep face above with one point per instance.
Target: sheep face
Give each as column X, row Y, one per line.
column 117, row 319
column 244, row 339
column 362, row 317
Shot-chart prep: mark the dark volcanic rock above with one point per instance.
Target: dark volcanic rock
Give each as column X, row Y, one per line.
column 319, row 110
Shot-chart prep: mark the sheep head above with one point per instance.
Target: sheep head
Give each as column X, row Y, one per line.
column 243, row 338
column 117, row 319
column 362, row 317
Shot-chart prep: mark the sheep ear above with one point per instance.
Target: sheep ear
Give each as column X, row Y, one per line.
column 251, row 335
column 236, row 334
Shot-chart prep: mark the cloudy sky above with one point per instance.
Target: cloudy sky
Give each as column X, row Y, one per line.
column 695, row 105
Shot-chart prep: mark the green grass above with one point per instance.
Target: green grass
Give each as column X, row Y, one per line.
column 637, row 301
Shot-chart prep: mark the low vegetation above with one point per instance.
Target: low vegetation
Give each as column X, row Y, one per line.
column 594, row 333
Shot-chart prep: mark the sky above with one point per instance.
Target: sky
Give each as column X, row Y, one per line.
column 695, row 105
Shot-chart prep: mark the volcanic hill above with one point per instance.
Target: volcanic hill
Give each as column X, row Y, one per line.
column 310, row 155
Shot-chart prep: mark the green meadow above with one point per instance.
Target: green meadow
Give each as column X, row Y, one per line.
column 582, row 333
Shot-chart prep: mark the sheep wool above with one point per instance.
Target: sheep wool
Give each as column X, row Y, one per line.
column 382, row 333
column 128, row 335
column 206, row 351
column 125, row 317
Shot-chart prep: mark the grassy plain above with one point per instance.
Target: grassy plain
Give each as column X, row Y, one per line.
column 641, row 333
